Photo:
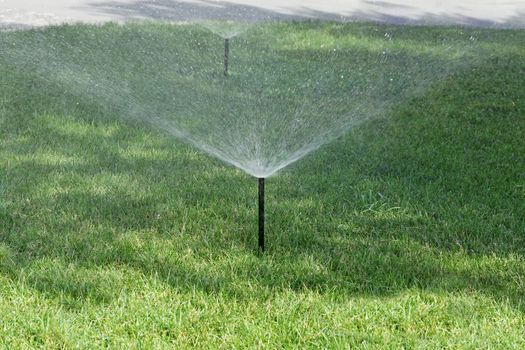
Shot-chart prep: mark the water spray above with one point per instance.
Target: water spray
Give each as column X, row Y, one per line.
column 261, row 214
column 306, row 102
column 226, row 54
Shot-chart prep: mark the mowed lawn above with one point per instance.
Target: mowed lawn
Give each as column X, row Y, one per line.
column 407, row 232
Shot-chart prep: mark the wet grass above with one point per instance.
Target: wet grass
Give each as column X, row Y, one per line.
column 408, row 232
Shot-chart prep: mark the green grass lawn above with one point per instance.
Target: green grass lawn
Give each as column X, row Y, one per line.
column 407, row 232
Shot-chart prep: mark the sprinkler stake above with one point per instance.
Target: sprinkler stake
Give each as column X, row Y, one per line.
column 261, row 214
column 226, row 54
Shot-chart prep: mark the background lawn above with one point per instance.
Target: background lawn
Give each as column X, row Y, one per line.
column 408, row 232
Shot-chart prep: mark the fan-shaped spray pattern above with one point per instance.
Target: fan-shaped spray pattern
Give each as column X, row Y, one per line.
column 284, row 96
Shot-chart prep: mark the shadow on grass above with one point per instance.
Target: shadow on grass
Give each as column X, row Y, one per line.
column 415, row 201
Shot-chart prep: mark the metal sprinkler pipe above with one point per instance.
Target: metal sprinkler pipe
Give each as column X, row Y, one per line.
column 226, row 54
column 261, row 214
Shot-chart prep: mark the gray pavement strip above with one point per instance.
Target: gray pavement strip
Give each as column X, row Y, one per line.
column 16, row 14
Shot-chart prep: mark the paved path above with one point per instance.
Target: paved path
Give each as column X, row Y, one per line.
column 497, row 13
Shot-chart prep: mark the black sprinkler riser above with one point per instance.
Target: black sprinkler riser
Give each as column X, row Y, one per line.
column 226, row 54
column 261, row 214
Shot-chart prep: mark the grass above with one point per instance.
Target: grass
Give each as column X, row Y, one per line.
column 406, row 233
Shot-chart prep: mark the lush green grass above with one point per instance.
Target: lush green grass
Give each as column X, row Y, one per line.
column 408, row 232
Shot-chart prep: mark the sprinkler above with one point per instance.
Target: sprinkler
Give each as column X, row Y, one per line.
column 226, row 54
column 261, row 214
